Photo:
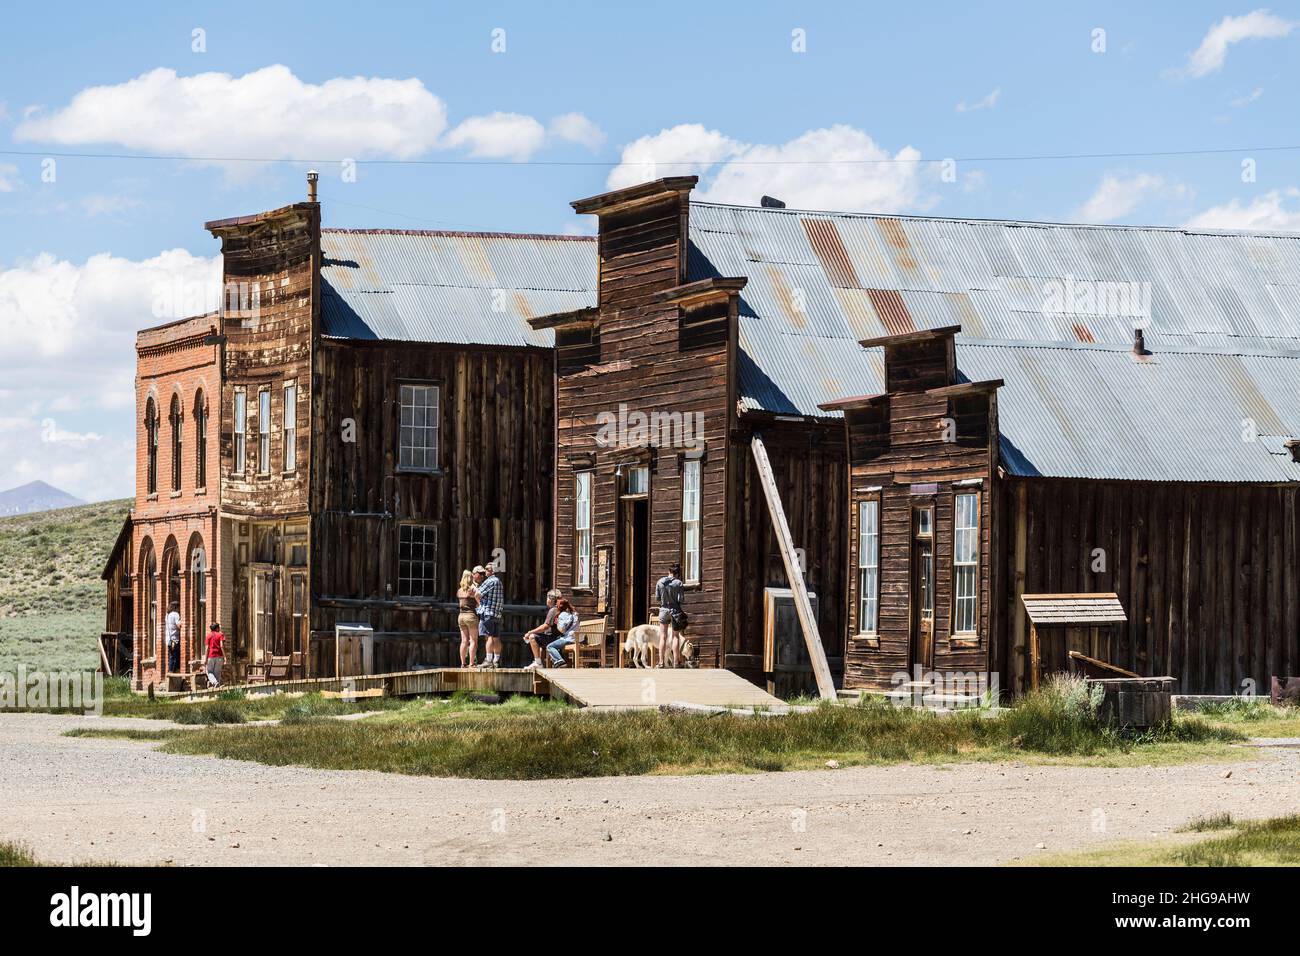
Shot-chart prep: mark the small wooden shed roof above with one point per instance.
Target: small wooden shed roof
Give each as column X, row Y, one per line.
column 1077, row 609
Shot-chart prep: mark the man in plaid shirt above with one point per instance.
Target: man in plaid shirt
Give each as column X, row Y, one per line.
column 490, row 601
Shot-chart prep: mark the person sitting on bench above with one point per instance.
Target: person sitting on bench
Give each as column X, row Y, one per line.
column 566, row 625
column 545, row 632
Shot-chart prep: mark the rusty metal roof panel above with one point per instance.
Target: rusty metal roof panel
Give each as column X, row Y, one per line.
column 1050, row 309
column 451, row 287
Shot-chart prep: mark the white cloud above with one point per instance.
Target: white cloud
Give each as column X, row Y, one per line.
column 67, row 361
column 1213, row 51
column 8, row 177
column 1117, row 196
column 273, row 114
column 576, row 128
column 838, row 167
column 268, row 112
column 1266, row 213
column 101, row 205
column 499, row 136
column 1249, row 98
column 986, row 102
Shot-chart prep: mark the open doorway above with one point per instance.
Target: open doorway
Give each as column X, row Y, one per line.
column 634, row 549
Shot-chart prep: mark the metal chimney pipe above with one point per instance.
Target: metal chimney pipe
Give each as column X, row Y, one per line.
column 312, row 178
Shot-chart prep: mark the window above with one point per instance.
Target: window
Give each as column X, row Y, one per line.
column 264, row 432
column 691, row 521
column 175, row 417
column 151, row 446
column 290, row 427
column 200, row 441
column 638, row 481
column 418, row 449
column 966, row 563
column 582, row 529
column 198, row 601
column 868, row 566
column 417, row 546
column 150, row 605
column 241, row 422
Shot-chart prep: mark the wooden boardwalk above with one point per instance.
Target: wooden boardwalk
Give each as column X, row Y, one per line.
column 613, row 687
column 629, row 687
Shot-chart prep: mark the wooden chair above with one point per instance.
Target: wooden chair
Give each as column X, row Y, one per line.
column 589, row 645
column 258, row 671
column 281, row 668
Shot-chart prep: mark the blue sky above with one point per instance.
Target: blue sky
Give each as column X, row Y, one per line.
column 578, row 92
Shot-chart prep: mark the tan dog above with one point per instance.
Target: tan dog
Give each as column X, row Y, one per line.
column 640, row 640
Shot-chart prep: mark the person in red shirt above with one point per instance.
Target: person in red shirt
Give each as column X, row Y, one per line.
column 216, row 654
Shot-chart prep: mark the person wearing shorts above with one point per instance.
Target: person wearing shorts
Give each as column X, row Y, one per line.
column 545, row 632
column 668, row 594
column 490, row 603
column 467, row 619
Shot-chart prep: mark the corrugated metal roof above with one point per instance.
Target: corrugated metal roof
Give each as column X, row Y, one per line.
column 451, row 287
column 1048, row 308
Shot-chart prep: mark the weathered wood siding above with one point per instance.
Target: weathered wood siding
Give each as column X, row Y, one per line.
column 808, row 462
column 1209, row 575
column 496, row 453
column 271, row 301
column 899, row 444
column 652, row 358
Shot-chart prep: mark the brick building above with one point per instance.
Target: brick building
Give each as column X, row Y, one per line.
column 174, row 527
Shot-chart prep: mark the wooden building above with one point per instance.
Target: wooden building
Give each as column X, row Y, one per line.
column 1043, row 409
column 387, row 423
column 654, row 462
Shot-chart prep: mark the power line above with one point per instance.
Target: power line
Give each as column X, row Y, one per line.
column 1041, row 157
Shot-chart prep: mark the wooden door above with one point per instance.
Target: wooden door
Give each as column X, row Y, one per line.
column 922, row 587
column 261, row 590
column 298, row 619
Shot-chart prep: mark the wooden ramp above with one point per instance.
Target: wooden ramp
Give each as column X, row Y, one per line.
column 631, row 687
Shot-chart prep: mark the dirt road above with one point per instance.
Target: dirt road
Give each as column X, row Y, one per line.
column 83, row 799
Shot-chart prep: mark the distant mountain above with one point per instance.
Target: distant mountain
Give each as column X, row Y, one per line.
column 35, row 496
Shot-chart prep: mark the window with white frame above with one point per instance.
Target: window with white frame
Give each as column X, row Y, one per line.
column 290, row 426
column 966, row 533
column 418, row 441
column 264, row 432
column 241, row 425
column 417, row 550
column 582, row 529
column 868, row 566
column 691, row 521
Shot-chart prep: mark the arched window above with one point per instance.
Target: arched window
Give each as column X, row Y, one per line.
column 175, row 417
column 198, row 597
column 149, row 595
column 200, row 441
column 151, row 446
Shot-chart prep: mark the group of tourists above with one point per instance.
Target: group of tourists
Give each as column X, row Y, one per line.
column 480, row 602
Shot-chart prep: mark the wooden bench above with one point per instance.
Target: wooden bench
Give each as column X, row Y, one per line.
column 276, row 667
column 589, row 644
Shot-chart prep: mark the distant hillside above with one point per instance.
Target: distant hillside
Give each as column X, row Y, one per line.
column 35, row 496
column 51, row 594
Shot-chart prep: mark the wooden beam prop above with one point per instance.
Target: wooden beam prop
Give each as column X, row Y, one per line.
column 794, row 573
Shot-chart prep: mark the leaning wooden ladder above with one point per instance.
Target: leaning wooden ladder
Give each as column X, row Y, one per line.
column 794, row 573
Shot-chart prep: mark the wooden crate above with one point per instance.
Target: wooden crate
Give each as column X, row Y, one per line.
column 1135, row 702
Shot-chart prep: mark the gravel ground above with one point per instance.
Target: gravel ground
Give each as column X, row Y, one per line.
column 85, row 799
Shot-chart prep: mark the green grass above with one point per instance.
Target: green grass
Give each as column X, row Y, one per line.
column 1215, row 821
column 532, row 739
column 1255, row 716
column 1271, row 842
column 51, row 593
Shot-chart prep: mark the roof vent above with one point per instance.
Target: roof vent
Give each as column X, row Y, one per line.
column 1139, row 343
column 770, row 202
column 312, row 178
